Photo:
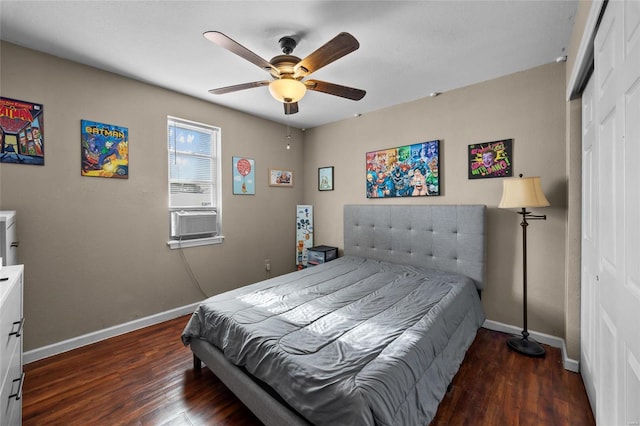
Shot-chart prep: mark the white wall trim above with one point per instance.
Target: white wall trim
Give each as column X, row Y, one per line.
column 196, row 242
column 584, row 54
column 556, row 342
column 97, row 336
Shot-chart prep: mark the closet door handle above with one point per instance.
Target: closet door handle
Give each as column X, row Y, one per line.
column 18, row 332
column 18, row 394
column 14, row 244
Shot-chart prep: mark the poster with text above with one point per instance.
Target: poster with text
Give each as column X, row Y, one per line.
column 105, row 150
column 21, row 132
column 491, row 159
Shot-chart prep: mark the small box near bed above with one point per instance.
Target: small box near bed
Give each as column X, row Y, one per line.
column 321, row 254
column 371, row 338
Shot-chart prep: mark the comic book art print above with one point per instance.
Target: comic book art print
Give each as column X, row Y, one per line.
column 105, row 150
column 405, row 171
column 491, row 159
column 21, row 132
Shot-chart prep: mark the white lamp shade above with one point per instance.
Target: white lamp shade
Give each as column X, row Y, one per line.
column 522, row 192
column 287, row 90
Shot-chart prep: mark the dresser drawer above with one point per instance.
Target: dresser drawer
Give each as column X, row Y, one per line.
column 11, row 394
column 10, row 323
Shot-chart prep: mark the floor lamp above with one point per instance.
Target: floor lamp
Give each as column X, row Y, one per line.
column 524, row 192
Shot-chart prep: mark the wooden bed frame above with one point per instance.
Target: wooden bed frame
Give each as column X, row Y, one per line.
column 446, row 237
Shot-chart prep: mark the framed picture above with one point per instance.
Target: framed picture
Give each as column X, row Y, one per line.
column 491, row 159
column 21, row 132
column 325, row 179
column 280, row 178
column 244, row 176
column 104, row 150
column 405, row 171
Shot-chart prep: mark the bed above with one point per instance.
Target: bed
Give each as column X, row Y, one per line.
column 372, row 338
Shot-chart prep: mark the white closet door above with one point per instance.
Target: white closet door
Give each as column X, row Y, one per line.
column 628, row 291
column 616, row 94
column 589, row 274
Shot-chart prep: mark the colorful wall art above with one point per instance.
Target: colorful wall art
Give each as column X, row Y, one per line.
column 491, row 159
column 244, row 176
column 405, row 171
column 21, row 132
column 325, row 178
column 280, row 178
column 304, row 234
column 104, row 150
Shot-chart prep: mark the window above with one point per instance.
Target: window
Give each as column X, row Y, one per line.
column 194, row 183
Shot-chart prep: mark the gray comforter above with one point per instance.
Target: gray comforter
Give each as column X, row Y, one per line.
column 350, row 342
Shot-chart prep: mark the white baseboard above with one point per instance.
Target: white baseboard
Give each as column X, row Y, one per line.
column 96, row 336
column 556, row 342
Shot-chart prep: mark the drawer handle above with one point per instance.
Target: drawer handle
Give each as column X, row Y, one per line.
column 18, row 395
column 18, row 332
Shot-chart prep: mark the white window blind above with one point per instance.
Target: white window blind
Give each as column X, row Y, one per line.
column 193, row 165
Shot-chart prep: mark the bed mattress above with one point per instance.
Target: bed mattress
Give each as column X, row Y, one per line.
column 351, row 342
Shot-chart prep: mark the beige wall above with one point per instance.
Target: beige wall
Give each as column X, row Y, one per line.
column 95, row 249
column 528, row 107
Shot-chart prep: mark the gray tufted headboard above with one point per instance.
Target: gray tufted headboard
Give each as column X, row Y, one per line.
column 450, row 238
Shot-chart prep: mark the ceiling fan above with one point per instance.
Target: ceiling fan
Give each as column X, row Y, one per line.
column 288, row 71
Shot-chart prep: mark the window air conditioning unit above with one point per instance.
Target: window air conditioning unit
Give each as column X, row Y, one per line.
column 193, row 224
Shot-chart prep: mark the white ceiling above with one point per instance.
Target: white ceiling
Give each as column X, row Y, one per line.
column 408, row 49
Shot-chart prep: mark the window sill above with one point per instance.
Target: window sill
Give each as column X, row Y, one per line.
column 176, row 244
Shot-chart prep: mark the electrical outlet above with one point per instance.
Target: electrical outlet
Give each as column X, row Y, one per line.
column 267, row 265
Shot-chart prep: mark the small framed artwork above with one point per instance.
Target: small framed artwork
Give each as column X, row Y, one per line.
column 325, row 179
column 244, row 176
column 280, row 178
column 491, row 159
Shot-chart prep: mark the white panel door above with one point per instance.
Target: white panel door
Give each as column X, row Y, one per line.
column 611, row 156
column 589, row 270
column 629, row 284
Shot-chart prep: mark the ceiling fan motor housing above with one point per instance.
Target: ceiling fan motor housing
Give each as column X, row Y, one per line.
column 287, row 44
column 284, row 65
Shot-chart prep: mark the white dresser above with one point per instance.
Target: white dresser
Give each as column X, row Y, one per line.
column 11, row 322
column 8, row 238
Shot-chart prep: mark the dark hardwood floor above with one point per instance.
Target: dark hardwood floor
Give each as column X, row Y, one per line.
column 146, row 378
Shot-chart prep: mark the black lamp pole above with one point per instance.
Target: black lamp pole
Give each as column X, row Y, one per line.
column 523, row 344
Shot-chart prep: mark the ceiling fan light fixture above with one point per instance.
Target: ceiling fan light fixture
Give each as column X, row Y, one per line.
column 287, row 90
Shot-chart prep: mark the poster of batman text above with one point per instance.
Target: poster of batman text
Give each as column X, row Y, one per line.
column 21, row 132
column 105, row 150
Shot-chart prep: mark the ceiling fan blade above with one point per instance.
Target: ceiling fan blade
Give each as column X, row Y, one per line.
column 235, row 47
column 335, row 89
column 235, row 88
column 334, row 49
column 290, row 108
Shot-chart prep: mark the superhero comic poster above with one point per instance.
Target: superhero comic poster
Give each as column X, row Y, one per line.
column 105, row 150
column 405, row 171
column 491, row 159
column 21, row 132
